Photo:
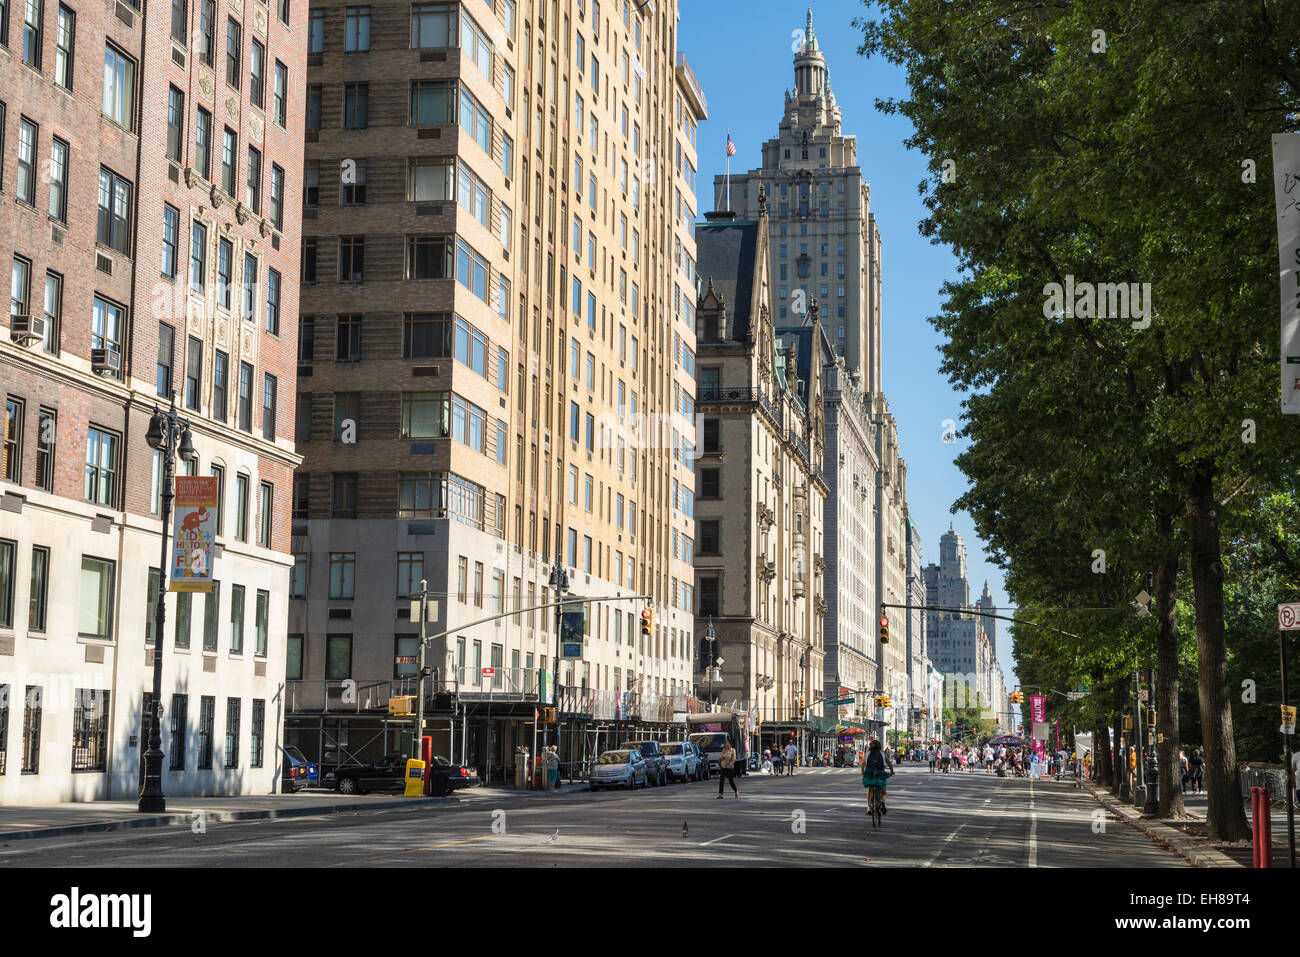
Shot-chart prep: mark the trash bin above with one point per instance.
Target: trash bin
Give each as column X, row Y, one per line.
column 438, row 781
column 521, row 767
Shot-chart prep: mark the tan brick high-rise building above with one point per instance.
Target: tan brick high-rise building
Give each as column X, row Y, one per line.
column 150, row 161
column 496, row 366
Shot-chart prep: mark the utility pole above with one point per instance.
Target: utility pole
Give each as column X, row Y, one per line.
column 417, row 751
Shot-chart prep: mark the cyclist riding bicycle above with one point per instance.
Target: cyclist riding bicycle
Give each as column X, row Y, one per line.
column 876, row 771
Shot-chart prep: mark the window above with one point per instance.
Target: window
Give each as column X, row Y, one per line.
column 211, row 610
column 175, row 123
column 348, row 338
column 257, row 75
column 467, row 423
column 309, row 259
column 277, row 196
column 236, row 619
column 64, row 44
column 471, row 269
column 473, row 194
column 180, row 705
column 356, row 105
column 166, row 352
column 298, row 577
column 430, row 181
column 255, row 743
column 229, row 143
column 293, row 658
column 476, row 121
column 279, row 94
column 114, row 222
column 352, row 258
column 89, row 729
column 241, row 508
column 234, row 43
column 342, row 572
column 345, row 496
column 410, row 571
column 710, row 483
column 220, row 385
column 356, row 37
column 207, row 717
column 184, row 607
column 347, row 409
column 353, row 189
column 338, row 657
column 225, row 255
column 313, row 108
column 316, row 31
column 203, row 143
column 475, row 45
column 37, row 594
column 232, row 732
column 478, row 584
column 253, row 190
column 8, row 573
column 426, row 335
column 248, row 305
column 245, row 397
column 433, row 25
column 31, row 762
column 273, row 302
column 268, row 407
column 27, row 135
column 119, row 86
column 433, row 102
column 58, row 180
column 95, row 612
column 198, row 256
column 32, row 19
column 170, row 239
column 208, row 32
column 471, row 347
column 101, row 467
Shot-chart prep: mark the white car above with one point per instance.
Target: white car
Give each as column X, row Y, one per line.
column 683, row 762
column 624, row 768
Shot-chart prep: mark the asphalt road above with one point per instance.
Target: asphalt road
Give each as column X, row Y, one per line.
column 814, row 819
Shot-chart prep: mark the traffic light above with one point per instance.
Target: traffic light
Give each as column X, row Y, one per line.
column 546, row 715
column 888, row 702
column 884, row 627
column 647, row 621
column 1017, row 697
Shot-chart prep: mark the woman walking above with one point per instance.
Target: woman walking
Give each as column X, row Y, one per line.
column 727, row 769
column 1196, row 770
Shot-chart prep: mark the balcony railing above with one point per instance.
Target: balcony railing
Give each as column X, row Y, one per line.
column 507, row 684
column 346, row 696
column 728, row 394
column 800, row 446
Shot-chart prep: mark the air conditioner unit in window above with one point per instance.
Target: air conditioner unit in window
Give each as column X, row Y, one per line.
column 106, row 361
column 26, row 330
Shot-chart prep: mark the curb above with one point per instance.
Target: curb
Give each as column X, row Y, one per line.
column 218, row 817
column 1189, row 849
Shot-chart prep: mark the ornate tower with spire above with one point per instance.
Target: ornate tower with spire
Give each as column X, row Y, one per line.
column 824, row 239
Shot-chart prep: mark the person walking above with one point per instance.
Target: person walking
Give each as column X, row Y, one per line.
column 932, row 754
column 1196, row 769
column 791, row 756
column 1182, row 763
column 727, row 769
column 552, row 768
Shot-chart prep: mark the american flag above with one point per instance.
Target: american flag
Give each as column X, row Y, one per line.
column 731, row 147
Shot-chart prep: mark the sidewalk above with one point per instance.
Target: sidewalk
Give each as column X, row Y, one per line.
column 1188, row 838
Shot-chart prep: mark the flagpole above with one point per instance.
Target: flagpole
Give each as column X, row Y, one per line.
column 728, row 152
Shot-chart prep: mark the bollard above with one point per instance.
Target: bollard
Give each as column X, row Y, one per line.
column 1266, row 812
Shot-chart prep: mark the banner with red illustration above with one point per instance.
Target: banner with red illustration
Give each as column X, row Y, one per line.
column 193, row 533
column 1037, row 715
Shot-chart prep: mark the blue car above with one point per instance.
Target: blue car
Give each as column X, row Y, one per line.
column 298, row 771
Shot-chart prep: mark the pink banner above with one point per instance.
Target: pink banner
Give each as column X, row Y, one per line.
column 1038, row 712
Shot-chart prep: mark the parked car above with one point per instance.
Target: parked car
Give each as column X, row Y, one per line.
column 683, row 762
column 298, row 772
column 703, row 759
column 622, row 768
column 386, row 774
column 458, row 775
column 655, row 760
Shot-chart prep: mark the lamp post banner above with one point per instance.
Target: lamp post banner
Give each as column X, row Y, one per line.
column 1038, row 722
column 193, row 533
column 1286, row 192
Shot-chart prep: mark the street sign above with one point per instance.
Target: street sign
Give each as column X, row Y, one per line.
column 1084, row 689
column 194, row 534
column 1288, row 719
column 1142, row 694
column 1075, row 695
column 489, row 672
column 405, row 659
column 848, row 700
column 1288, row 617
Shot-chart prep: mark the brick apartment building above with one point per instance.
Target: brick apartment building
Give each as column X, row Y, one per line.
column 496, row 366
column 150, row 170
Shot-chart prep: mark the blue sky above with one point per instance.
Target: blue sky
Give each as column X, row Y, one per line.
column 742, row 56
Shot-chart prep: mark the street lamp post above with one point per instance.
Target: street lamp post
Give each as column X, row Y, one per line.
column 166, row 432
column 559, row 580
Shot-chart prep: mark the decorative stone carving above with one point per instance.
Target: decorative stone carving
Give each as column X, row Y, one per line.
column 214, row 194
column 191, row 177
column 206, row 86
column 265, row 228
column 232, row 107
column 259, row 21
column 241, row 213
column 256, row 127
column 222, row 331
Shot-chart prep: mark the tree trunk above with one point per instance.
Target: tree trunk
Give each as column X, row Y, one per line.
column 1119, row 707
column 1101, row 756
column 1166, row 690
column 1226, row 817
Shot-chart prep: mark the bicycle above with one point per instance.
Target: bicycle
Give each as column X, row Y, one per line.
column 876, row 803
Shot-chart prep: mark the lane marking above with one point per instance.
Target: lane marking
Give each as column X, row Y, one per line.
column 415, row 850
column 716, row 840
column 1033, row 828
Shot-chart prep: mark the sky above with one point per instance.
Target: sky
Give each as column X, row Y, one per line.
column 742, row 54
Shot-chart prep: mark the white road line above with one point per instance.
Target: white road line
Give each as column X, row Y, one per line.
column 1033, row 828
column 716, row 839
column 931, row 861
